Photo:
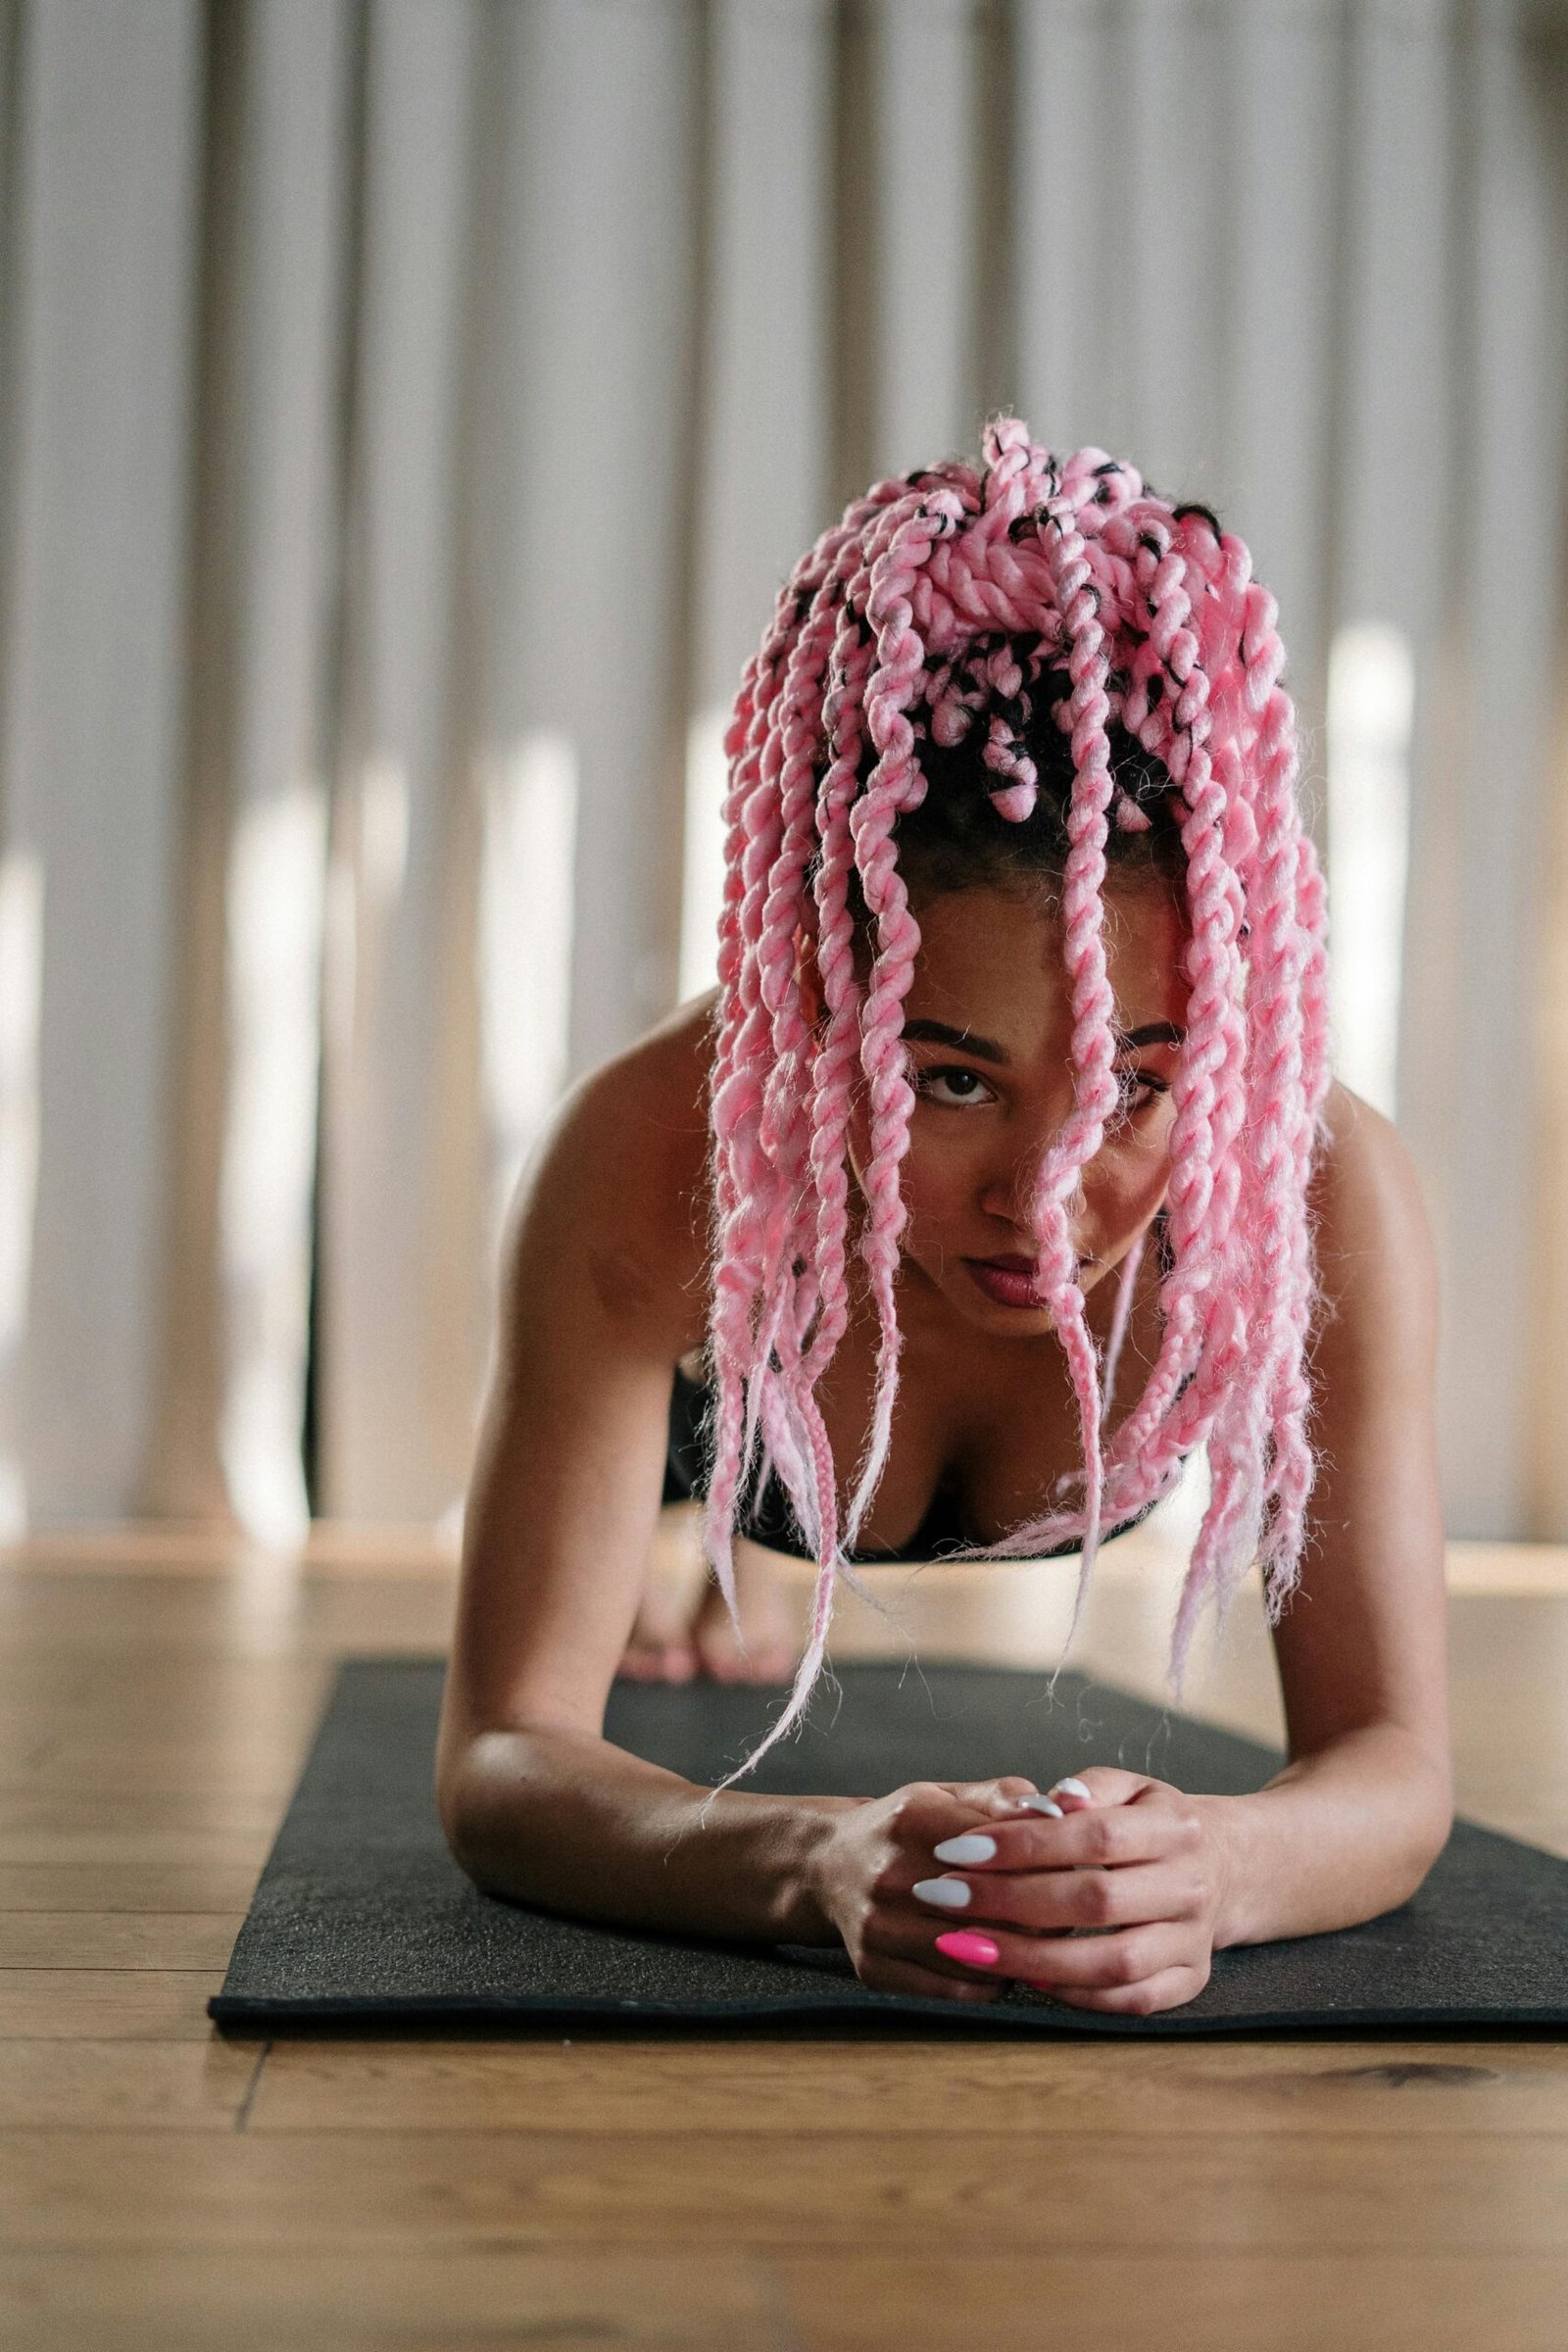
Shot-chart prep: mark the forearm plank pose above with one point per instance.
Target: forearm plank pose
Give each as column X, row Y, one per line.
column 1003, row 1169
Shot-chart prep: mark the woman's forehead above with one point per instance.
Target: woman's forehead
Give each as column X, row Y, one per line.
column 1004, row 950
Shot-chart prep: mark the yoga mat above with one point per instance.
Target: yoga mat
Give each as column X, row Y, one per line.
column 362, row 1919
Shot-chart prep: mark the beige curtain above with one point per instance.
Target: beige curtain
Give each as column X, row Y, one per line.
column 408, row 409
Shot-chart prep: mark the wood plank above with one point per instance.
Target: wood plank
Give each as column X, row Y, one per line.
column 120, row 2085
column 1235, row 2303
column 131, row 1682
column 614, row 2299
column 268, row 1767
column 164, row 1546
column 935, row 2197
column 72, row 1886
column 111, row 1940
column 102, row 2004
column 37, row 1823
column 93, row 1847
column 794, row 2088
column 131, row 1615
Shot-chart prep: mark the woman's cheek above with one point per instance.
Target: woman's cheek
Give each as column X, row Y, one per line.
column 933, row 1194
column 1126, row 1187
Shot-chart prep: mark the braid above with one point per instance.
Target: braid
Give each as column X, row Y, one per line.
column 896, row 784
column 900, row 692
column 1093, row 1049
column 741, row 1190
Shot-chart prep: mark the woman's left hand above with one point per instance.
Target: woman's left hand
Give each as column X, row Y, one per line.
column 1139, row 1861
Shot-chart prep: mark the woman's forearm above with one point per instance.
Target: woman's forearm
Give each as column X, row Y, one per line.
column 570, row 1822
column 1336, row 1838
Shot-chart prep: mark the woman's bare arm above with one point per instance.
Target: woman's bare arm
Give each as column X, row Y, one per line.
column 1354, row 1823
column 602, row 1293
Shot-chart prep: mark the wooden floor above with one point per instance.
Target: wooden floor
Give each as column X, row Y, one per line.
column 162, row 2186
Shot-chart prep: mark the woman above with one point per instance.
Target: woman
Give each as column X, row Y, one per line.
column 1005, row 1162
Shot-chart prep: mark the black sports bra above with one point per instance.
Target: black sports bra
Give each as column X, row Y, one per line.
column 769, row 1518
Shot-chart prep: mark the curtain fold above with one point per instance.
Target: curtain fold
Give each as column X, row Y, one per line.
column 409, row 410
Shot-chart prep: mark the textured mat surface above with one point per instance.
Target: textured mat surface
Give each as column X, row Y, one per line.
column 362, row 1918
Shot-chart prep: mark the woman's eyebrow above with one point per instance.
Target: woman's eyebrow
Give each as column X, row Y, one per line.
column 986, row 1049
column 938, row 1032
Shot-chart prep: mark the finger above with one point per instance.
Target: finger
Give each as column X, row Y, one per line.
column 1052, row 1901
column 888, row 1972
column 1095, row 1837
column 1099, row 1785
column 1086, row 1962
column 999, row 1798
column 1166, row 1990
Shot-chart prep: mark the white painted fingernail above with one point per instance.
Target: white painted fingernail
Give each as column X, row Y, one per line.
column 948, row 1895
column 972, row 1846
column 1040, row 1804
column 1070, row 1787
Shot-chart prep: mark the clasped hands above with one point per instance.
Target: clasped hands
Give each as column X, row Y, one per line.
column 954, row 1888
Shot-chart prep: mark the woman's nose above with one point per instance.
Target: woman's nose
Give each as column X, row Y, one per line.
column 1036, row 1118
column 1009, row 1184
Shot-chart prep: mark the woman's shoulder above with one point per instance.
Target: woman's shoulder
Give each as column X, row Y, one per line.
column 1373, row 1237
column 619, row 1180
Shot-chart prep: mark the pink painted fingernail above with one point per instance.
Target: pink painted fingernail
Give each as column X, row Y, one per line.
column 975, row 1951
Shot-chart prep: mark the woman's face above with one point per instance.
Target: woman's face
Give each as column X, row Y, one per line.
column 988, row 1026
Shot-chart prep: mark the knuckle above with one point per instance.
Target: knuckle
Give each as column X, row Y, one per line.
column 1095, row 1899
column 915, row 1803
column 1098, row 1835
column 1128, row 1964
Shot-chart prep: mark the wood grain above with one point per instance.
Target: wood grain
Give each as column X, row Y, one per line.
column 107, row 2004
column 1232, row 2303
column 110, row 2086
column 110, row 1940
column 905, row 2194
column 1023, row 2088
column 472, row 2299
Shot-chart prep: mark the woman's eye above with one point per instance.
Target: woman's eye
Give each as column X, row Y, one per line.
column 963, row 1087
column 1136, row 1090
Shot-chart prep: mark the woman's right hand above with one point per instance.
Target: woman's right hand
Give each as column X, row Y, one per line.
column 874, row 1855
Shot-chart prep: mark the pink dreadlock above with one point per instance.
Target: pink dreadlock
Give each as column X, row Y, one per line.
column 944, row 595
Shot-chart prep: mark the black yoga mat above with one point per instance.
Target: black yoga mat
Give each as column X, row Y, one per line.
column 362, row 1919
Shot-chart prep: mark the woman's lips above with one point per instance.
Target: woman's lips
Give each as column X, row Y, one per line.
column 1006, row 1281
column 1012, row 1280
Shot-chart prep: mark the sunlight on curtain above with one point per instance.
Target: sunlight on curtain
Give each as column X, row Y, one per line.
column 702, row 892
column 384, row 832
column 21, row 973
column 526, row 923
column 274, row 910
column 1371, row 704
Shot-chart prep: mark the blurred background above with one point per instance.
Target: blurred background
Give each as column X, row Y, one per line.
column 408, row 412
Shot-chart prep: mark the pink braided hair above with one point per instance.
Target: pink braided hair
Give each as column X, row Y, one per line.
column 932, row 606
